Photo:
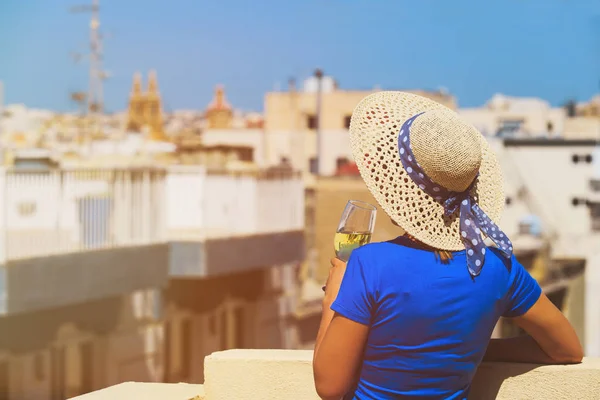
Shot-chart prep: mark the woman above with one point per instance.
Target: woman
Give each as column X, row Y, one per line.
column 413, row 317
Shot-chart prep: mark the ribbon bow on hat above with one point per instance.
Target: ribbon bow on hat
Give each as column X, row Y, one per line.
column 473, row 220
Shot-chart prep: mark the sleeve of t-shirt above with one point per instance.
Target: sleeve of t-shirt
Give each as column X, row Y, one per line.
column 354, row 300
column 523, row 291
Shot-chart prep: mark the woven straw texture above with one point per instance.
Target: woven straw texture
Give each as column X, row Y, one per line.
column 451, row 160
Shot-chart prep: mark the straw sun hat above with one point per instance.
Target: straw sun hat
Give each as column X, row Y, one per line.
column 449, row 151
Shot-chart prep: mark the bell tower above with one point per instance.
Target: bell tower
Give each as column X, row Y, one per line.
column 153, row 108
column 135, row 114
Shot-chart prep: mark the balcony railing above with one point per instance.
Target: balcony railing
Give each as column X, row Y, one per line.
column 287, row 374
column 63, row 211
column 204, row 206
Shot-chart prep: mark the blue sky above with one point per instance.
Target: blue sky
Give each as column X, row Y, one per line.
column 474, row 48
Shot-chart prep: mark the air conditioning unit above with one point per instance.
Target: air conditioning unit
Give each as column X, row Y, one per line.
column 530, row 225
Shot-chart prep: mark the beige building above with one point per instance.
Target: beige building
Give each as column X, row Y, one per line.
column 516, row 116
column 291, row 121
column 528, row 117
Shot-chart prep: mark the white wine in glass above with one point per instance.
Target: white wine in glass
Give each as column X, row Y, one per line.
column 355, row 228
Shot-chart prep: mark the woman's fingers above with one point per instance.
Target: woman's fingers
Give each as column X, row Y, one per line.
column 336, row 263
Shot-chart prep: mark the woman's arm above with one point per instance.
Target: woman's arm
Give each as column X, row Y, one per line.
column 338, row 356
column 339, row 346
column 551, row 339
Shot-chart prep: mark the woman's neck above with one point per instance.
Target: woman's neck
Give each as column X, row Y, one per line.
column 444, row 256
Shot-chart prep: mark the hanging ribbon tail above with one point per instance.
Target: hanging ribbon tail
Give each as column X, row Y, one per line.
column 493, row 232
column 471, row 237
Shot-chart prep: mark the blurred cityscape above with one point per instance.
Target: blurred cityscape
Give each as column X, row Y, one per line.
column 135, row 243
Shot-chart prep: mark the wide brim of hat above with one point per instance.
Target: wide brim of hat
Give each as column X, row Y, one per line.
column 374, row 129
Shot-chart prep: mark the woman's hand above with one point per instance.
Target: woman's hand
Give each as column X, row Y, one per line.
column 334, row 281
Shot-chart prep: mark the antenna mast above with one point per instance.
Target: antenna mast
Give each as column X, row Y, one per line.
column 95, row 95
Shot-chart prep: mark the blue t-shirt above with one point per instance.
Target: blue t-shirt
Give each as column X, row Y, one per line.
column 430, row 323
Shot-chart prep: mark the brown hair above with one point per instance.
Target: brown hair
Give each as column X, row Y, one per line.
column 444, row 256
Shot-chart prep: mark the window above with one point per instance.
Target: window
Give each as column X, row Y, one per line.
column 508, row 201
column 347, row 119
column 246, row 154
column 508, row 127
column 581, row 202
column 27, row 209
column 550, row 127
column 311, row 122
column 341, row 161
column 595, row 216
column 312, row 165
column 583, row 158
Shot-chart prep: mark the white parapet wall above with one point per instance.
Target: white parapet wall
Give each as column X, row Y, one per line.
column 287, row 374
column 76, row 210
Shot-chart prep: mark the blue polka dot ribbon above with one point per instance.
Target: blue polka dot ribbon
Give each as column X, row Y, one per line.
column 473, row 220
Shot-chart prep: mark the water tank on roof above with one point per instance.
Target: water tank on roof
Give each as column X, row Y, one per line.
column 311, row 84
column 530, row 225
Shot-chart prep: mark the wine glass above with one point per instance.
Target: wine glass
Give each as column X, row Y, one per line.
column 355, row 228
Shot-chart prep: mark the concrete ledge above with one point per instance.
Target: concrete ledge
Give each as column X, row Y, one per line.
column 259, row 374
column 147, row 391
column 287, row 374
column 531, row 381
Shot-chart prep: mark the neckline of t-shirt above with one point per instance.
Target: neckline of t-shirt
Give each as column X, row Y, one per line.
column 405, row 242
